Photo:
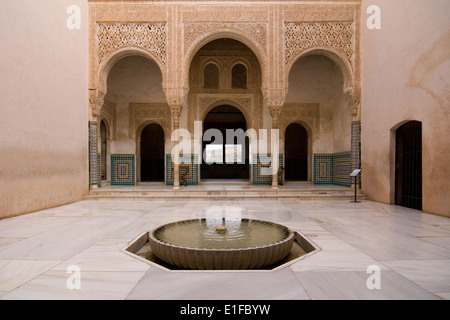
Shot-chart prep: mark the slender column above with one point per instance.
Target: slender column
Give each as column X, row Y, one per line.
column 176, row 97
column 354, row 102
column 275, row 111
column 274, row 98
column 175, row 110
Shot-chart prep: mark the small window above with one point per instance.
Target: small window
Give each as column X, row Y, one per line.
column 239, row 76
column 211, row 76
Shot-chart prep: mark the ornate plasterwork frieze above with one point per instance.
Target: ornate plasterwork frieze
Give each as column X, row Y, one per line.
column 112, row 36
column 307, row 113
column 255, row 31
column 207, row 101
column 336, row 35
column 144, row 112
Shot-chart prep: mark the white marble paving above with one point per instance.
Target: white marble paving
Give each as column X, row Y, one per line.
column 411, row 248
column 104, row 256
column 52, row 285
column 14, row 273
column 432, row 275
column 259, row 285
column 351, row 285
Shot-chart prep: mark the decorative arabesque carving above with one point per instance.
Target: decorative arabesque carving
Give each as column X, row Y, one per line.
column 307, row 113
column 96, row 100
column 115, row 35
column 353, row 100
column 143, row 112
column 255, row 30
column 207, row 101
column 176, row 96
column 300, row 36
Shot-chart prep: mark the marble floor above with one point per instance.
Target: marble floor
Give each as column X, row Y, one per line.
column 368, row 251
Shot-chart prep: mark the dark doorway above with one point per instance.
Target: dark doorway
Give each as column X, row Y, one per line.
column 224, row 159
column 296, row 153
column 408, row 165
column 152, row 153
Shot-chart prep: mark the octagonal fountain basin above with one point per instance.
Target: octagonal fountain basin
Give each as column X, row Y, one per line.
column 221, row 244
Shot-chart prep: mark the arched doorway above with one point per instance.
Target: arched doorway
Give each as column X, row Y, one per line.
column 225, row 148
column 408, row 165
column 296, row 152
column 152, row 153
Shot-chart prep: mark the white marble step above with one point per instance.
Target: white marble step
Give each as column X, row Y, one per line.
column 186, row 193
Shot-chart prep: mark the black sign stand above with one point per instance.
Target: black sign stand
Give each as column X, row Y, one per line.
column 355, row 174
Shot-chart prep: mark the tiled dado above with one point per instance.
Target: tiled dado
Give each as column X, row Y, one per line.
column 190, row 160
column 261, row 168
column 356, row 147
column 333, row 168
column 123, row 169
column 328, row 169
column 93, row 154
column 342, row 167
column 323, row 169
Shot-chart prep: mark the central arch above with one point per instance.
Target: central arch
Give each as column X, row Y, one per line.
column 225, row 94
column 232, row 34
column 225, row 148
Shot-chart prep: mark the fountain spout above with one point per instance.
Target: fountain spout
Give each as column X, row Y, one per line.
column 222, row 228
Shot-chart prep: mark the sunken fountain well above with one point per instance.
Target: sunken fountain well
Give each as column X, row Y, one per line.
column 221, row 244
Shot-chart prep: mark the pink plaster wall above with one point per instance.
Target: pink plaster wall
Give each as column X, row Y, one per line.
column 406, row 76
column 43, row 104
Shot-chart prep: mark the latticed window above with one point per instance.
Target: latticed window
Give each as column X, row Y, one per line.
column 211, row 76
column 239, row 76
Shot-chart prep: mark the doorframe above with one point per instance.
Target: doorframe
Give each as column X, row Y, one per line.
column 309, row 140
column 393, row 148
column 139, row 130
column 226, row 102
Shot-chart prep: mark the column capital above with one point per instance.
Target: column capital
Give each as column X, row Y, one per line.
column 175, row 110
column 275, row 111
column 176, row 96
column 96, row 100
column 274, row 98
column 352, row 96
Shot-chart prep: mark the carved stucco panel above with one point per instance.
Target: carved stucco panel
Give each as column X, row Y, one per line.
column 205, row 102
column 300, row 36
column 145, row 112
column 307, row 113
column 112, row 36
column 108, row 113
column 256, row 31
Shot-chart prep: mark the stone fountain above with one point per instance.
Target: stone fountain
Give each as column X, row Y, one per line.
column 221, row 244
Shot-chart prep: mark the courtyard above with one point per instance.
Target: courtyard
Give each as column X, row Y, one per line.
column 368, row 250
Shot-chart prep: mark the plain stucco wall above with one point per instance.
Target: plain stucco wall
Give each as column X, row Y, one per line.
column 44, row 105
column 405, row 76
